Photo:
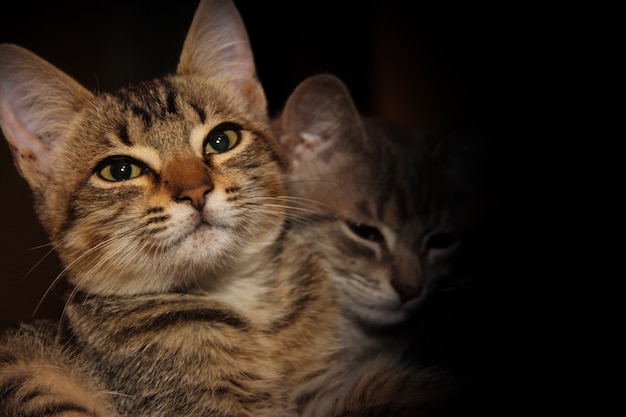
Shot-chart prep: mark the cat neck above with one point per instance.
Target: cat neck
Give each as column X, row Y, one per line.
column 264, row 289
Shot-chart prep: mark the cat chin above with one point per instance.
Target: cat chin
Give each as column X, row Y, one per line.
column 382, row 314
column 205, row 237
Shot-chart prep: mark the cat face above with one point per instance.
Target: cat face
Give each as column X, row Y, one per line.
column 385, row 239
column 158, row 186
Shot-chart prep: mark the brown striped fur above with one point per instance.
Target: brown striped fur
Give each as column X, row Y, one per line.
column 377, row 204
column 185, row 299
column 372, row 196
column 190, row 295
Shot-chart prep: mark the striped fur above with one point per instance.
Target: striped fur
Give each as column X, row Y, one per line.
column 377, row 207
column 41, row 378
column 190, row 293
column 185, row 299
column 375, row 200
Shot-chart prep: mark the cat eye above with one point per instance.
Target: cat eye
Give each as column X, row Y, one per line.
column 120, row 168
column 366, row 232
column 221, row 139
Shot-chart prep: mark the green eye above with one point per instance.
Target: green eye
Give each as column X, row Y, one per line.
column 120, row 169
column 221, row 140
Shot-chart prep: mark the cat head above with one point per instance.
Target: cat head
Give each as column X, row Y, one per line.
column 150, row 188
column 367, row 190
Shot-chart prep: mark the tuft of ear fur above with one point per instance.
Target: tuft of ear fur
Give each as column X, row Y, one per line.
column 38, row 103
column 318, row 114
column 217, row 47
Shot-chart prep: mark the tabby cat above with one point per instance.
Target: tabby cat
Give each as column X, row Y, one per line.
column 378, row 205
column 371, row 191
column 166, row 202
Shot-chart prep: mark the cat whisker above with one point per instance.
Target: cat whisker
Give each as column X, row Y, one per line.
column 64, row 270
column 48, row 253
column 69, row 300
column 297, row 203
column 301, row 213
column 268, row 214
column 305, row 202
column 114, row 254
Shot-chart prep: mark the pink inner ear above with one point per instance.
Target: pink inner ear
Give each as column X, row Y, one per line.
column 30, row 153
column 306, row 148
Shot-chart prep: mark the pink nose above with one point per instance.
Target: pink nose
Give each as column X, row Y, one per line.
column 407, row 279
column 196, row 194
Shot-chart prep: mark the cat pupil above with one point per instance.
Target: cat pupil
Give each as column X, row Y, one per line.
column 221, row 141
column 119, row 169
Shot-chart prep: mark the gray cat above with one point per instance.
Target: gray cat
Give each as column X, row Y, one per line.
column 393, row 213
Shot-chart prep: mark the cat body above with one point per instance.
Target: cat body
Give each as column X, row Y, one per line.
column 378, row 220
column 166, row 202
column 387, row 210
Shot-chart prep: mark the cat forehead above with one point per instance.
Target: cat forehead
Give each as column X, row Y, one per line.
column 161, row 112
column 387, row 195
column 171, row 97
column 149, row 120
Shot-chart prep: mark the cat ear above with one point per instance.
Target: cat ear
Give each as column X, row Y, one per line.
column 217, row 46
column 319, row 119
column 37, row 105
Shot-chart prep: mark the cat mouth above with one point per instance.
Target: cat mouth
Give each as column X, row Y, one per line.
column 204, row 223
column 208, row 225
column 210, row 218
column 201, row 227
column 211, row 223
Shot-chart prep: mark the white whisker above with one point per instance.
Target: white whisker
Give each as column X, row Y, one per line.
column 48, row 253
column 67, row 267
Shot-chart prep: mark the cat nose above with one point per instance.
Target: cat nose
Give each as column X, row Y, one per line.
column 407, row 278
column 406, row 290
column 196, row 195
column 188, row 179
